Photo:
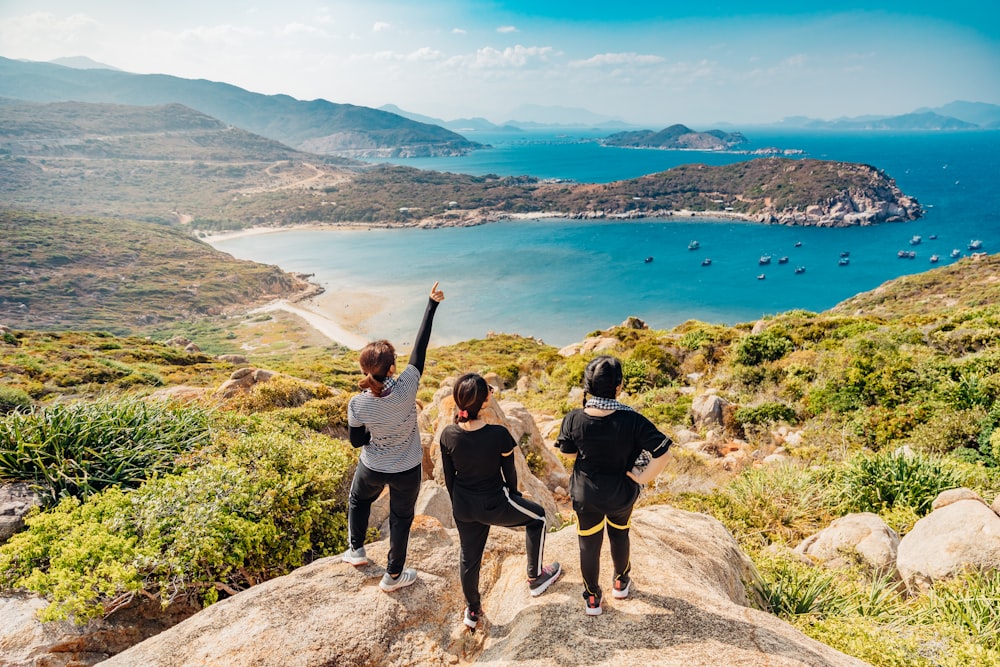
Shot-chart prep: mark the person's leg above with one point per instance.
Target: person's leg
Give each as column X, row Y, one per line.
column 618, row 538
column 519, row 511
column 590, row 535
column 365, row 488
column 472, row 536
column 403, row 490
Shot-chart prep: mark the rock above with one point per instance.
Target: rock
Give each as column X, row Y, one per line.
column 708, row 410
column 592, row 344
column 688, row 608
column 950, row 496
column 683, row 436
column 178, row 341
column 434, row 501
column 863, row 537
column 191, row 347
column 16, row 501
column 232, row 358
column 242, row 380
column 964, row 534
column 633, row 322
column 996, row 505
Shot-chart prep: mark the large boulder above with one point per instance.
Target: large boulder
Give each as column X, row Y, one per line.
column 708, row 410
column 958, row 536
column 16, row 501
column 863, row 537
column 689, row 607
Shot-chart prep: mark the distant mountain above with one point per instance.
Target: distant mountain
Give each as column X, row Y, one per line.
column 918, row 120
column 982, row 114
column 459, row 124
column 317, row 126
column 536, row 115
column 82, row 62
column 676, row 137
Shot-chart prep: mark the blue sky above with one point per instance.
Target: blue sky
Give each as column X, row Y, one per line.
column 646, row 63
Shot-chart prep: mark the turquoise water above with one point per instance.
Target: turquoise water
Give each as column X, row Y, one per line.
column 560, row 280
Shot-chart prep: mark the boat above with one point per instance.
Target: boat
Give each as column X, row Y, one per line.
column 956, row 253
column 934, row 259
column 845, row 253
column 933, row 237
column 975, row 245
column 783, row 260
column 765, row 259
column 693, row 245
column 648, row 259
column 798, row 244
column 761, row 277
column 706, row 261
column 915, row 240
column 844, row 261
column 800, row 269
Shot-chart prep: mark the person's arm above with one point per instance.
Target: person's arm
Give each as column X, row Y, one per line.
column 654, row 468
column 419, row 353
column 509, row 471
column 359, row 435
column 448, row 465
column 564, row 441
column 657, row 444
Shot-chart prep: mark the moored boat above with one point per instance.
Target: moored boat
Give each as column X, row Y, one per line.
column 975, row 245
column 693, row 245
column 648, row 259
column 844, row 261
column 934, row 259
column 764, row 259
column 800, row 269
column 915, row 240
column 783, row 260
column 761, row 277
column 706, row 261
column 956, row 253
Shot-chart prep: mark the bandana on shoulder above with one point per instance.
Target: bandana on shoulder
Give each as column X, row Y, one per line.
column 606, row 404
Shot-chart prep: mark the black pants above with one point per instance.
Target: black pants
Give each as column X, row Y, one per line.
column 590, row 531
column 473, row 517
column 403, row 490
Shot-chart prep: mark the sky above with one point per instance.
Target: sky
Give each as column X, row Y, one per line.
column 647, row 63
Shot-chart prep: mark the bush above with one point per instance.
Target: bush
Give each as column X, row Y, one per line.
column 765, row 413
column 78, row 449
column 947, row 430
column 281, row 391
column 879, row 482
column 12, row 398
column 272, row 501
column 758, row 348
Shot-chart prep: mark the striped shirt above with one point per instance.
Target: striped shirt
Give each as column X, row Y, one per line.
column 392, row 421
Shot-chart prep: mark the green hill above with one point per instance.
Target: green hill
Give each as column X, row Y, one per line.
column 323, row 126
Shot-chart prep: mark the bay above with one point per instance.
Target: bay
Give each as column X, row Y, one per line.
column 559, row 280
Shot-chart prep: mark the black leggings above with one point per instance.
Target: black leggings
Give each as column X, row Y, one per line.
column 473, row 517
column 590, row 531
column 403, row 490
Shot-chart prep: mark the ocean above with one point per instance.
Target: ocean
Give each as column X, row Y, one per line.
column 559, row 280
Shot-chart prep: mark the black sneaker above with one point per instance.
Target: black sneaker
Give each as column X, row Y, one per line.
column 622, row 586
column 545, row 578
column 472, row 617
column 593, row 603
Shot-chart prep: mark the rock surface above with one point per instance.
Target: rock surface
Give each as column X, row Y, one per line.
column 863, row 537
column 688, row 608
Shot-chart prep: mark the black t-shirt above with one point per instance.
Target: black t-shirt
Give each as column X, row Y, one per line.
column 474, row 460
column 609, row 444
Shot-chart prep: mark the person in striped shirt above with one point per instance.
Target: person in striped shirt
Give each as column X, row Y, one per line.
column 382, row 421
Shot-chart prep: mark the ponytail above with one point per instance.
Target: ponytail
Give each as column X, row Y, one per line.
column 376, row 360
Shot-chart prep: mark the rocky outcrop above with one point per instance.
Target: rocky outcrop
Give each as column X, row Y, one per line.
column 856, row 538
column 16, row 501
column 957, row 536
column 689, row 607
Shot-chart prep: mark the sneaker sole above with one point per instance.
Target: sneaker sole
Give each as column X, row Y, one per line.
column 535, row 592
column 621, row 595
column 355, row 562
column 470, row 624
column 594, row 612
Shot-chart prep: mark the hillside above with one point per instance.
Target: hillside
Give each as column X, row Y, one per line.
column 120, row 276
column 676, row 137
column 171, row 164
column 316, row 125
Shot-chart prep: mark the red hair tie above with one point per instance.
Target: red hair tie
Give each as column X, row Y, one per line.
column 463, row 414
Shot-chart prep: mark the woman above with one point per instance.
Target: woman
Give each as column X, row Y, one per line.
column 606, row 438
column 382, row 421
column 478, row 462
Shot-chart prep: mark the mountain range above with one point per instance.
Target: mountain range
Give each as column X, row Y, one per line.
column 317, row 126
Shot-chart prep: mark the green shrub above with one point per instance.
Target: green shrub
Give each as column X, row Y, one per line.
column 281, row 391
column 791, row 588
column 879, row 482
column 635, row 376
column 273, row 501
column 765, row 413
column 947, row 430
column 970, row 602
column 758, row 348
column 12, row 398
column 80, row 448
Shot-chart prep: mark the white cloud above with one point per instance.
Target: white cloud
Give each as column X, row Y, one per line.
column 512, row 57
column 423, row 54
column 381, row 26
column 506, row 29
column 43, row 29
column 457, row 31
column 225, row 35
column 617, row 60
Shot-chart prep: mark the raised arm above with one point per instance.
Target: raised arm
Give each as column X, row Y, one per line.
column 419, row 353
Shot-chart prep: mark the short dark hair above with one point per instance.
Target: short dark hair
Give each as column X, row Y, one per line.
column 602, row 377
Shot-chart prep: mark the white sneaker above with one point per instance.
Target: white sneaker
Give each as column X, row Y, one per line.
column 355, row 556
column 405, row 578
